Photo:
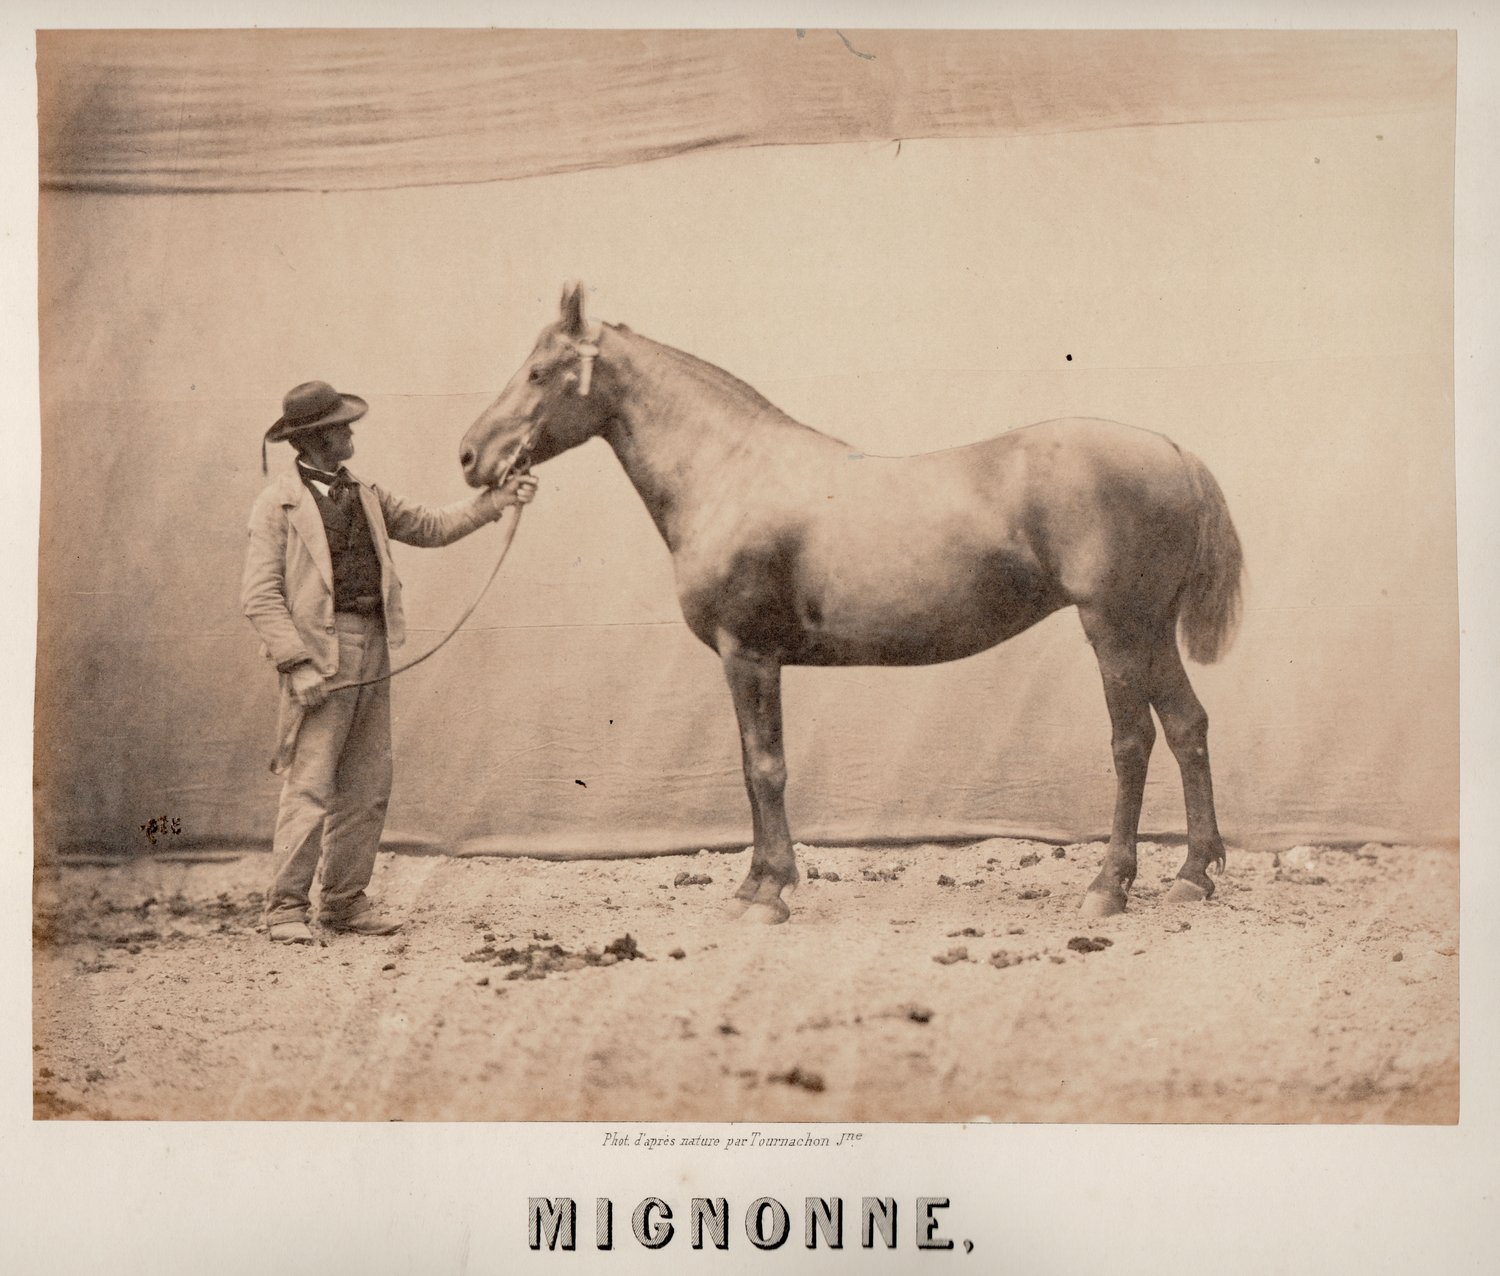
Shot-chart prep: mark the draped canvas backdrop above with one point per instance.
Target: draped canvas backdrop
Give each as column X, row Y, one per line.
column 1243, row 241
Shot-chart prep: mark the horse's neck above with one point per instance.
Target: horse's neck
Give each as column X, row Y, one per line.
column 688, row 433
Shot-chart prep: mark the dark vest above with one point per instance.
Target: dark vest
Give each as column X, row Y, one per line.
column 356, row 566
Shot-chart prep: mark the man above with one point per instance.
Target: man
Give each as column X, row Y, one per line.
column 321, row 591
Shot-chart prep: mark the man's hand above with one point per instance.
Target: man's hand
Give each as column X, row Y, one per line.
column 519, row 489
column 309, row 688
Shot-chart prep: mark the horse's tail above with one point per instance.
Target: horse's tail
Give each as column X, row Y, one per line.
column 1209, row 604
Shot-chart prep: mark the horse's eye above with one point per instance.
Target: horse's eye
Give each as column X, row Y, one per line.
column 537, row 374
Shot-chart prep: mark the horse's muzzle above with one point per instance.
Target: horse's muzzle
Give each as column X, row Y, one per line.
column 479, row 470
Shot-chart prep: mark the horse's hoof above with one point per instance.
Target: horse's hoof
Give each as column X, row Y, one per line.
column 1102, row 904
column 772, row 914
column 1186, row 892
column 735, row 908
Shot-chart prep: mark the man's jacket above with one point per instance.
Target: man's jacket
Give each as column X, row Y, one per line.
column 287, row 593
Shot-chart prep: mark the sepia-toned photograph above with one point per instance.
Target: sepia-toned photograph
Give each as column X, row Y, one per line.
column 778, row 575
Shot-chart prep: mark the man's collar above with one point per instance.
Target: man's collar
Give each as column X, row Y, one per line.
column 318, row 476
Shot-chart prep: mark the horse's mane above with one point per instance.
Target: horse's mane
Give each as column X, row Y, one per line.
column 726, row 383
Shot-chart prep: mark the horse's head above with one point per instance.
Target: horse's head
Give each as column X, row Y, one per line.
column 554, row 402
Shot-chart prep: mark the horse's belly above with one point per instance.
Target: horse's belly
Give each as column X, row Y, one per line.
column 803, row 609
column 912, row 622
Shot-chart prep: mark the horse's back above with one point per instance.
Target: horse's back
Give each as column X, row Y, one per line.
column 1089, row 510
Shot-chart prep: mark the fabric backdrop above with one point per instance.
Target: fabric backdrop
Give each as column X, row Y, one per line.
column 1243, row 241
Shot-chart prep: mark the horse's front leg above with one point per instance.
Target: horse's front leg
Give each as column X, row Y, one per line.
column 755, row 682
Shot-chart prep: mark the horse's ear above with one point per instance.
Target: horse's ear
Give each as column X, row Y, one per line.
column 572, row 308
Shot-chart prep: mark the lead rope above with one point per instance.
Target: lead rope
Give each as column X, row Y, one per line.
column 508, row 534
column 288, row 742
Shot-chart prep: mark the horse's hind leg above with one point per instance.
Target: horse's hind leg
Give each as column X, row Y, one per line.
column 1185, row 724
column 1125, row 665
column 755, row 683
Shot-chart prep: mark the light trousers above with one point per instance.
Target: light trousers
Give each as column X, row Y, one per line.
column 337, row 787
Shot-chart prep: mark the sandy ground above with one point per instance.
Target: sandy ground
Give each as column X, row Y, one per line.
column 920, row 983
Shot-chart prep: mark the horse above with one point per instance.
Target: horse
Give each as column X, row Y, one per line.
column 791, row 548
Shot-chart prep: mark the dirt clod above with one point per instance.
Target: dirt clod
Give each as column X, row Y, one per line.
column 538, row 960
column 1083, row 944
column 951, row 956
column 945, row 880
column 801, row 1078
column 624, row 948
column 1026, row 861
column 692, row 879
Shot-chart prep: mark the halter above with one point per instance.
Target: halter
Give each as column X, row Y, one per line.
column 588, row 351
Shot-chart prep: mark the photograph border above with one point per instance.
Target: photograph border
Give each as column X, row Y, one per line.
column 166, row 1197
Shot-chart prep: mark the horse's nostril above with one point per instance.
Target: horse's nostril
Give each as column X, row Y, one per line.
column 466, row 457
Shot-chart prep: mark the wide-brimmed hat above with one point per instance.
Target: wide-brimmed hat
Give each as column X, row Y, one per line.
column 313, row 405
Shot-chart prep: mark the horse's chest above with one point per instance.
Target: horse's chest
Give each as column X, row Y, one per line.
column 751, row 590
